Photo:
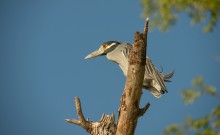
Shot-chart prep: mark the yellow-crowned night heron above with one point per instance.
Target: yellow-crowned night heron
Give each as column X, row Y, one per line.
column 119, row 52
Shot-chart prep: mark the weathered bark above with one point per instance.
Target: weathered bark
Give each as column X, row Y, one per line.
column 105, row 126
column 129, row 110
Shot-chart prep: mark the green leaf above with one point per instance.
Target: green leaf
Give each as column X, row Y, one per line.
column 198, row 81
column 208, row 132
column 216, row 113
column 188, row 122
column 207, row 28
column 201, row 123
column 216, row 124
column 210, row 90
column 173, row 130
column 190, row 95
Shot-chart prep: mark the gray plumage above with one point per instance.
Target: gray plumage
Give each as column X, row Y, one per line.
column 119, row 52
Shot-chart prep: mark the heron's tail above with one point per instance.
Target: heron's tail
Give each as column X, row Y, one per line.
column 168, row 76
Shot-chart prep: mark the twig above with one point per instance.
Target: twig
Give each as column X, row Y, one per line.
column 79, row 110
column 144, row 109
column 81, row 122
column 146, row 29
column 105, row 126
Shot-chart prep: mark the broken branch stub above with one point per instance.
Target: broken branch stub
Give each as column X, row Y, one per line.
column 105, row 126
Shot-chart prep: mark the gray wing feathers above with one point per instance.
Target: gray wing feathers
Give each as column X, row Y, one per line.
column 152, row 72
column 168, row 76
column 126, row 50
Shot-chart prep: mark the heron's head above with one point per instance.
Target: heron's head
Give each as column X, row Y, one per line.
column 103, row 49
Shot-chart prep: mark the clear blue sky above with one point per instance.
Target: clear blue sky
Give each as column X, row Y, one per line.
column 42, row 68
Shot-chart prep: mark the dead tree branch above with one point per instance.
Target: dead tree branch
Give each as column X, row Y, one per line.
column 144, row 109
column 105, row 126
column 129, row 111
column 81, row 122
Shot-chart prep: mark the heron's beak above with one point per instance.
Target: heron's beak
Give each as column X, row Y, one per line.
column 95, row 54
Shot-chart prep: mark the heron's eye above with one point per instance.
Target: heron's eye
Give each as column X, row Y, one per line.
column 104, row 46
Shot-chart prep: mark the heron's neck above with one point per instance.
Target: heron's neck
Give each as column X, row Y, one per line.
column 119, row 58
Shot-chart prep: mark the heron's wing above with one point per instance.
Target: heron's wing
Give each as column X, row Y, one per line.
column 167, row 77
column 126, row 50
column 152, row 72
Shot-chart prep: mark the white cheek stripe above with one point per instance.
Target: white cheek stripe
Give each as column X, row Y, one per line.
column 112, row 44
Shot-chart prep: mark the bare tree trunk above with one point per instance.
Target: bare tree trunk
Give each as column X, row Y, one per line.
column 129, row 110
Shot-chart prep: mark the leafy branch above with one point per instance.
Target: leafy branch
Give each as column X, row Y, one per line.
column 206, row 125
column 198, row 88
column 165, row 13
